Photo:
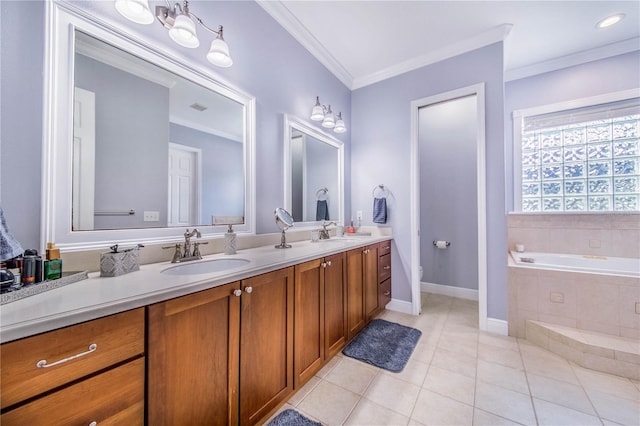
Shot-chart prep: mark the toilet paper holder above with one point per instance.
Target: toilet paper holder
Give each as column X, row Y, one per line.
column 438, row 243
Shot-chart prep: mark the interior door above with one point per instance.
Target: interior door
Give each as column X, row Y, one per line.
column 183, row 186
column 84, row 161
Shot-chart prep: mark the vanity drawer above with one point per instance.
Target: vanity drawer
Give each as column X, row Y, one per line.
column 117, row 338
column 384, row 267
column 384, row 248
column 384, row 293
column 111, row 398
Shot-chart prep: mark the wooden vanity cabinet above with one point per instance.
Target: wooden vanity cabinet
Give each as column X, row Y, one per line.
column 89, row 372
column 384, row 274
column 362, row 287
column 193, row 358
column 224, row 355
column 319, row 314
column 370, row 279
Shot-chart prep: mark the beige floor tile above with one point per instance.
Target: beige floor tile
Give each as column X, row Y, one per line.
column 483, row 418
column 619, row 410
column 368, row 413
column 505, row 403
column 304, row 391
column 552, row 414
column 414, row 372
column 464, row 346
column 501, row 375
column 329, row 403
column 330, row 365
column 392, row 393
column 455, row 362
column 504, row 342
column 548, row 365
column 434, row 409
column 499, row 355
column 561, row 393
column 607, row 383
column 423, row 352
column 450, row 384
column 352, row 375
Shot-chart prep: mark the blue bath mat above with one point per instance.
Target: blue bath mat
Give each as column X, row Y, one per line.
column 292, row 418
column 384, row 344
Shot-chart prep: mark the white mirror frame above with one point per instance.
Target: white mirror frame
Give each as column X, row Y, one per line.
column 292, row 123
column 62, row 22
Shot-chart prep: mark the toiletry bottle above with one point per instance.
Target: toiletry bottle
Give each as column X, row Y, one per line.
column 53, row 265
column 230, row 241
column 28, row 273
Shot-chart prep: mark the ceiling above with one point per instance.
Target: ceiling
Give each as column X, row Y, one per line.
column 363, row 42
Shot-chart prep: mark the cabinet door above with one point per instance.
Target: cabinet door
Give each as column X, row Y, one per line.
column 266, row 344
column 355, row 292
column 308, row 323
column 370, row 279
column 193, row 358
column 335, row 301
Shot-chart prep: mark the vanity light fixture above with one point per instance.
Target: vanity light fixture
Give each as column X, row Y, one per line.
column 181, row 24
column 610, row 20
column 329, row 120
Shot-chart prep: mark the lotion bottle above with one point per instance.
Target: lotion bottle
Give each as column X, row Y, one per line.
column 230, row 241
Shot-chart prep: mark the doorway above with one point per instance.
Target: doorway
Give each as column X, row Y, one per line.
column 446, row 179
column 184, row 185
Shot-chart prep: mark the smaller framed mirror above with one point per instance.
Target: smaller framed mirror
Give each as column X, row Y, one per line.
column 313, row 174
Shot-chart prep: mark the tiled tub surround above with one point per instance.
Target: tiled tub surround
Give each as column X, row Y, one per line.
column 597, row 305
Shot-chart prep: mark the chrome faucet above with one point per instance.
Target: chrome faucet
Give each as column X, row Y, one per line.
column 190, row 251
column 324, row 232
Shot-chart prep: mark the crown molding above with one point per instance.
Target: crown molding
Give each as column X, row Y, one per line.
column 579, row 58
column 293, row 26
column 494, row 35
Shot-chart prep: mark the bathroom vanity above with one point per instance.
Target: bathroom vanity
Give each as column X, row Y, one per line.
column 227, row 347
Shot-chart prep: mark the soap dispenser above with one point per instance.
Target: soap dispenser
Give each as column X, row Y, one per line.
column 230, row 241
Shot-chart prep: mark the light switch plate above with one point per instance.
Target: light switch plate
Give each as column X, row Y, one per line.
column 556, row 297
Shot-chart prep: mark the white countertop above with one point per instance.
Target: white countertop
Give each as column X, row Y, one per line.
column 96, row 297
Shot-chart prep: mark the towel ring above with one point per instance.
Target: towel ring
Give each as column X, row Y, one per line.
column 385, row 191
column 321, row 194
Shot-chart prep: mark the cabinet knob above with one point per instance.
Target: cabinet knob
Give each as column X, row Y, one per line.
column 237, row 292
column 248, row 289
column 93, row 424
column 329, row 263
column 365, row 251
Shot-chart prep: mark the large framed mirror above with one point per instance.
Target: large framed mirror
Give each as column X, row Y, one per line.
column 314, row 174
column 139, row 146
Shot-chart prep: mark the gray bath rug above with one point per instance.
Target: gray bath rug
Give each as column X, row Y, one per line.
column 384, row 344
column 292, row 418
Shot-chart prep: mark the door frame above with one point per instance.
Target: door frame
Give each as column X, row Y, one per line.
column 479, row 91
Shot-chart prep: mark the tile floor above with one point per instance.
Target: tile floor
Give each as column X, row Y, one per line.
column 458, row 375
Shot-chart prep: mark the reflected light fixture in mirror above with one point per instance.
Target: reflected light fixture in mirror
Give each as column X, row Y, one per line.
column 181, row 23
column 329, row 120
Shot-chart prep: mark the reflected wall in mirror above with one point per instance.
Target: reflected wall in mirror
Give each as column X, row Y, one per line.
column 314, row 167
column 138, row 143
column 151, row 148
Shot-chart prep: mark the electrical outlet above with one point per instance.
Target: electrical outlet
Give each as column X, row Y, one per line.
column 359, row 215
column 151, row 216
column 556, row 297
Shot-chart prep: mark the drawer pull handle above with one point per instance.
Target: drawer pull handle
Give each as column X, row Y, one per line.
column 43, row 362
column 386, row 268
column 387, row 293
column 386, row 248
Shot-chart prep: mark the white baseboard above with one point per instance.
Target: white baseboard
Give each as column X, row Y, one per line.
column 400, row 306
column 498, row 326
column 447, row 290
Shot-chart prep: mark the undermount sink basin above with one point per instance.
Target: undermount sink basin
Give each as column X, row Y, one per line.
column 208, row 266
column 339, row 240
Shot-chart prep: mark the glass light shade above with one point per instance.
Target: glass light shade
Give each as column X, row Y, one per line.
column 317, row 113
column 183, row 32
column 329, row 120
column 135, row 10
column 219, row 53
column 340, row 127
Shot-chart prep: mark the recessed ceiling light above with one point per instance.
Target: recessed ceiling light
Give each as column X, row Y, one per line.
column 610, row 20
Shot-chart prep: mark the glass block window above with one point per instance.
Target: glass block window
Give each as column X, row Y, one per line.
column 583, row 159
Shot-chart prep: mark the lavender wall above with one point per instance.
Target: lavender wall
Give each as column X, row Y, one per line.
column 380, row 147
column 614, row 74
column 268, row 64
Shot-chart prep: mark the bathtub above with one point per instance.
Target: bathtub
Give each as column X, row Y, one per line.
column 608, row 265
